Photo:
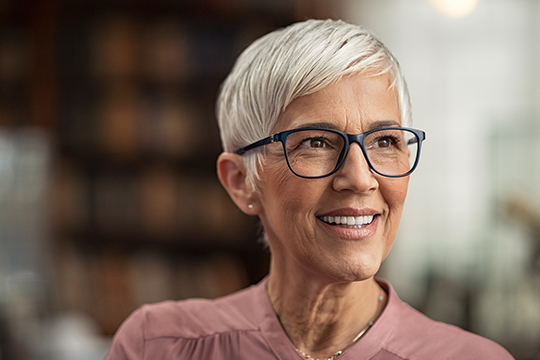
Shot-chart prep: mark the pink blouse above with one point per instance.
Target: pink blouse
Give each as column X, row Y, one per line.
column 243, row 325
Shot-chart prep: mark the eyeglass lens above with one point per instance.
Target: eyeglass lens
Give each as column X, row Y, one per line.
column 315, row 153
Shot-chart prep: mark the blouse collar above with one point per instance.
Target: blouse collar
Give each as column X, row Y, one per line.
column 371, row 343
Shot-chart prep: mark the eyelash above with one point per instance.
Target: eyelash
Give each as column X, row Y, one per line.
column 393, row 139
column 318, row 138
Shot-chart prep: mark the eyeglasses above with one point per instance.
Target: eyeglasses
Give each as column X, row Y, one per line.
column 315, row 153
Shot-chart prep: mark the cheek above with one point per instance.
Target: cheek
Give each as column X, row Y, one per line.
column 287, row 199
column 277, row 182
column 395, row 192
column 279, row 190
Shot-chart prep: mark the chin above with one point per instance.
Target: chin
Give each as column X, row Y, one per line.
column 356, row 271
column 366, row 275
column 366, row 267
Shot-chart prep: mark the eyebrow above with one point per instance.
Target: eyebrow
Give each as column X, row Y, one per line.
column 382, row 124
column 317, row 125
column 371, row 126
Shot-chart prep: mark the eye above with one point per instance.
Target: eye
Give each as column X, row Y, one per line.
column 384, row 142
column 315, row 143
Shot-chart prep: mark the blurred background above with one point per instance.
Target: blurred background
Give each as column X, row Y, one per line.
column 108, row 142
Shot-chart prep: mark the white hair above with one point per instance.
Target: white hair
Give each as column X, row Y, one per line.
column 295, row 61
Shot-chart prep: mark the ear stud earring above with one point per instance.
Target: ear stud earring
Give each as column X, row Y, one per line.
column 250, row 206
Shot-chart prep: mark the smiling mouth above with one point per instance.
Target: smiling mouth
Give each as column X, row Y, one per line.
column 348, row 222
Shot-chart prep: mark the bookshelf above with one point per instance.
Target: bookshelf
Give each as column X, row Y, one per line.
column 126, row 91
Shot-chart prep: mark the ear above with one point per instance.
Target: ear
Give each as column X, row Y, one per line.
column 232, row 174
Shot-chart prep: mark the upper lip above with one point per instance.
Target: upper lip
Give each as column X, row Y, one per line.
column 350, row 212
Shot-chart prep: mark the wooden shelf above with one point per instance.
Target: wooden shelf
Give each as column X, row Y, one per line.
column 127, row 91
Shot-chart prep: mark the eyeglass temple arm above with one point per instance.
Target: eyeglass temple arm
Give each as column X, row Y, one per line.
column 421, row 137
column 256, row 144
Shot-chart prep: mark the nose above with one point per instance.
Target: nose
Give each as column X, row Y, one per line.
column 355, row 173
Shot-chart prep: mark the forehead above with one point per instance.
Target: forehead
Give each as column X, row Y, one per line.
column 353, row 104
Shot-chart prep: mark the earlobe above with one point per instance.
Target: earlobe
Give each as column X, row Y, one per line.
column 232, row 174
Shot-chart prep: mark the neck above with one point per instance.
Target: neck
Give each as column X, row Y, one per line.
column 323, row 317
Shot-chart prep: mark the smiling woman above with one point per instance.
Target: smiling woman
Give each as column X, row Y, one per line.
column 314, row 123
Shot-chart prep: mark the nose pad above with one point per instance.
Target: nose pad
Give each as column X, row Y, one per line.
column 356, row 157
column 355, row 173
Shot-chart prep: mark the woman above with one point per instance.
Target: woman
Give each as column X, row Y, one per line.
column 313, row 122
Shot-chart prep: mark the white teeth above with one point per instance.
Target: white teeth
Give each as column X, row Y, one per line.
column 357, row 221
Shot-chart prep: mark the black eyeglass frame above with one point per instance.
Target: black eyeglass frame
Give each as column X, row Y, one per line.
column 349, row 139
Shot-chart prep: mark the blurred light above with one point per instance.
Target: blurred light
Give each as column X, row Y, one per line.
column 455, row 8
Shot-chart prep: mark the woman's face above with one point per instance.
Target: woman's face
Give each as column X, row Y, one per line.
column 297, row 213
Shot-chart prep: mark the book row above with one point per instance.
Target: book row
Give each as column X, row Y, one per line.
column 109, row 286
column 157, row 203
column 127, row 122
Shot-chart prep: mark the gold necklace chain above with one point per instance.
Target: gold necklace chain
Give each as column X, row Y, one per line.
column 356, row 338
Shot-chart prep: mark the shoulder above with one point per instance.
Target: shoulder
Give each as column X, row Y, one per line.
column 186, row 319
column 194, row 318
column 419, row 337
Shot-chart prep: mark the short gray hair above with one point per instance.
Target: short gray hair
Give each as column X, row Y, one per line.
column 295, row 61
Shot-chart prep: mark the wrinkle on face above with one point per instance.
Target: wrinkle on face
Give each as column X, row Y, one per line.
column 353, row 105
column 301, row 111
